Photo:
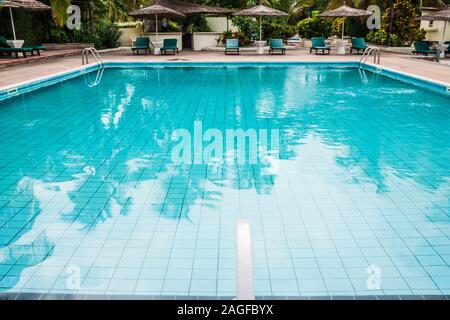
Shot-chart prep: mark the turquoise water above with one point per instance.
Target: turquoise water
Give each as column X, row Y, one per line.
column 91, row 200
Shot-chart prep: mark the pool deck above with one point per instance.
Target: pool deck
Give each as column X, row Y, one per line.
column 398, row 62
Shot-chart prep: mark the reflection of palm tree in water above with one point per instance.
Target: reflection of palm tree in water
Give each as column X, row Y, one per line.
column 124, row 160
column 22, row 207
column 23, row 256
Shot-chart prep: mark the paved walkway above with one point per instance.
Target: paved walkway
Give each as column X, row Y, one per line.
column 45, row 55
column 404, row 63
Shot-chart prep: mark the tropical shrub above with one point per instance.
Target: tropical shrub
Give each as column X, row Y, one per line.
column 85, row 37
column 377, row 36
column 108, row 35
column 58, row 35
column 248, row 26
column 395, row 41
column 277, row 28
column 314, row 27
column 226, row 35
column 170, row 26
column 354, row 27
column 243, row 39
column 128, row 24
column 399, row 19
column 336, row 27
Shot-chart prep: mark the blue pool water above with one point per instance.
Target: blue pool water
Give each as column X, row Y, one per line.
column 91, row 200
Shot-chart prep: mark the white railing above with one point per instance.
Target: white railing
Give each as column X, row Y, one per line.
column 95, row 54
column 367, row 52
column 244, row 261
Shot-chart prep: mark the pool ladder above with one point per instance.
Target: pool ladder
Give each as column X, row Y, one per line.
column 88, row 81
column 85, row 60
column 367, row 52
column 95, row 54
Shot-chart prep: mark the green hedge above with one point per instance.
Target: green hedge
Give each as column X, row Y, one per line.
column 314, row 27
column 32, row 26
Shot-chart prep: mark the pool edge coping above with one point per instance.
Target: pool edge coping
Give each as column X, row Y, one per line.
column 10, row 91
column 10, row 296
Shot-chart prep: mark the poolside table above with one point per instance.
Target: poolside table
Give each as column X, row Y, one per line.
column 341, row 46
column 260, row 47
column 15, row 43
column 442, row 48
column 157, row 45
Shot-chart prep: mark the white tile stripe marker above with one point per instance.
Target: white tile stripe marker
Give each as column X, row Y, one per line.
column 244, row 261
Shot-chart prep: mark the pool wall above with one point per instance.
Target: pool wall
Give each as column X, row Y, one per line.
column 25, row 87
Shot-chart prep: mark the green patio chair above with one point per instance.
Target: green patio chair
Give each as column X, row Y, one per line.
column 358, row 44
column 232, row 46
column 169, row 45
column 423, row 47
column 276, row 45
column 5, row 48
column 142, row 44
column 318, row 44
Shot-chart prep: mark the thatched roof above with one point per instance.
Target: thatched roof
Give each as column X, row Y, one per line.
column 156, row 9
column 260, row 10
column 345, row 11
column 443, row 15
column 189, row 8
column 24, row 4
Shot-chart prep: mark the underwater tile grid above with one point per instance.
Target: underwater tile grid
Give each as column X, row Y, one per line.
column 91, row 201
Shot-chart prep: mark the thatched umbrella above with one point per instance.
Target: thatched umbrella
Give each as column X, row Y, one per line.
column 155, row 11
column 260, row 11
column 189, row 8
column 345, row 11
column 443, row 15
column 24, row 4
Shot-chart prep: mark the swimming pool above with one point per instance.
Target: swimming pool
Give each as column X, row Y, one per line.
column 92, row 201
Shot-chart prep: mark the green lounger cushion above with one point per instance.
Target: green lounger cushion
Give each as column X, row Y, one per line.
column 5, row 47
column 141, row 43
column 9, row 49
column 359, row 43
column 232, row 45
column 170, row 44
column 423, row 47
column 40, row 47
column 319, row 43
column 276, row 44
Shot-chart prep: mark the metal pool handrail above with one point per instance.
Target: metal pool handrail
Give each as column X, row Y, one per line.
column 98, row 78
column 244, row 261
column 367, row 52
column 94, row 52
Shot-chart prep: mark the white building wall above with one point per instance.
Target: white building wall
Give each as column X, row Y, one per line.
column 219, row 24
column 435, row 30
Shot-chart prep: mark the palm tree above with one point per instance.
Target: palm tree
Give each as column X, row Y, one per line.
column 59, row 11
